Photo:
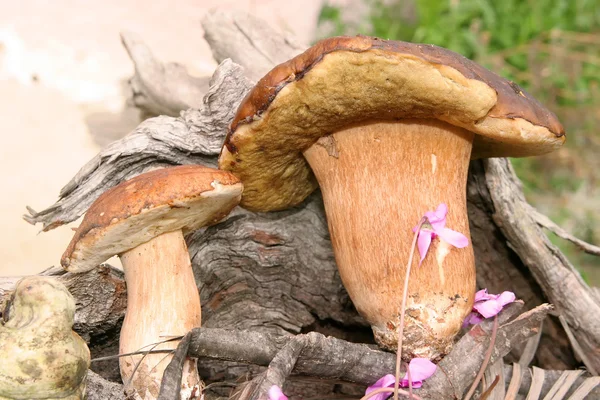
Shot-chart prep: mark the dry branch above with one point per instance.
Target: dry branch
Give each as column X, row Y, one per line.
column 545, row 222
column 561, row 283
column 325, row 357
column 329, row 358
column 170, row 386
column 495, row 381
column 161, row 89
column 247, row 41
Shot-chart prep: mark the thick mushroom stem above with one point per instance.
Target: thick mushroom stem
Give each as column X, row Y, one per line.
column 162, row 302
column 378, row 180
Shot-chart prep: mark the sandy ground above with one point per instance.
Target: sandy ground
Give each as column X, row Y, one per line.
column 62, row 78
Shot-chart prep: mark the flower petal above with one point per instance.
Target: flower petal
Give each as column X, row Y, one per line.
column 489, row 308
column 423, row 243
column 454, row 238
column 437, row 218
column 415, row 384
column 421, row 369
column 482, row 295
column 472, row 319
column 385, row 381
column 506, row 298
column 440, row 213
column 275, row 393
column 442, row 210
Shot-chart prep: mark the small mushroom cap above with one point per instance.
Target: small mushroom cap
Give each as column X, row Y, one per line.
column 344, row 81
column 185, row 197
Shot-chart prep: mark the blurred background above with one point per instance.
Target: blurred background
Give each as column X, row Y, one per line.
column 63, row 88
column 63, row 76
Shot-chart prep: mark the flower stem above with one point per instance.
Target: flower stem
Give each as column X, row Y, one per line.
column 486, row 360
column 400, row 328
column 410, row 392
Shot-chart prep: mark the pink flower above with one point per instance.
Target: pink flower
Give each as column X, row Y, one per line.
column 435, row 227
column 386, row 381
column 420, row 369
column 275, row 393
column 472, row 319
column 488, row 305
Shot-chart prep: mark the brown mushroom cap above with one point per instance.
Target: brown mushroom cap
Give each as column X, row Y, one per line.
column 184, row 197
column 344, row 81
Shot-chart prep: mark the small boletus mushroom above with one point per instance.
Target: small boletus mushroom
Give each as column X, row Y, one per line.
column 388, row 129
column 40, row 355
column 143, row 220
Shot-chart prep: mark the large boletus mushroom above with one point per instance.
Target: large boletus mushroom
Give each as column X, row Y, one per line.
column 143, row 220
column 388, row 129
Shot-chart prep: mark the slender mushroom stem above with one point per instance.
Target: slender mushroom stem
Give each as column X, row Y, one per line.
column 377, row 179
column 162, row 302
column 410, row 387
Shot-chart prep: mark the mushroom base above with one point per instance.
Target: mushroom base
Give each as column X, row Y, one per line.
column 162, row 302
column 378, row 179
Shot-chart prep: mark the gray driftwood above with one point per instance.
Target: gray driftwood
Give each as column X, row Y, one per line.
column 158, row 88
column 317, row 355
column 247, row 41
column 330, row 358
column 560, row 282
column 275, row 272
column 193, row 138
